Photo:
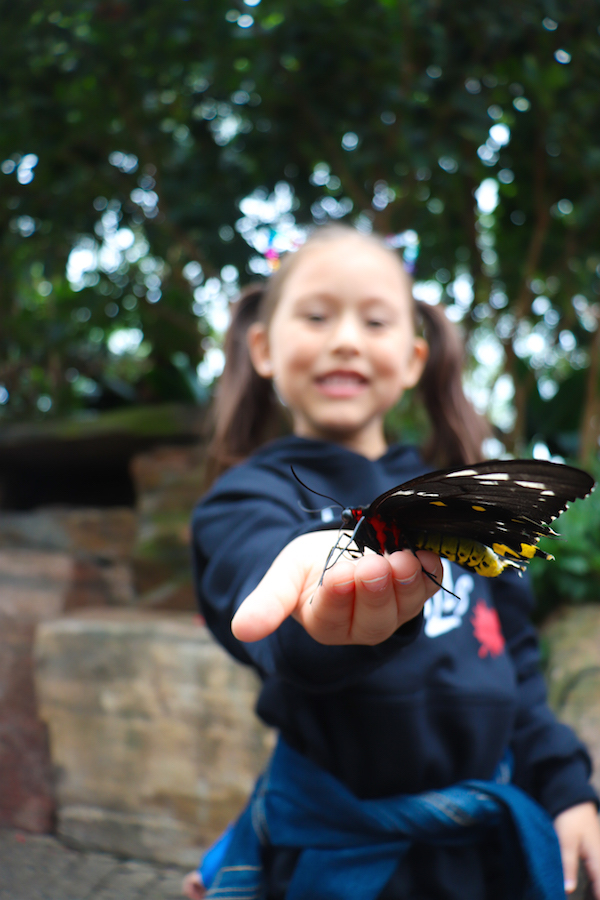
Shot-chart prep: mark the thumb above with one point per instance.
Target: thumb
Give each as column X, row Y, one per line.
column 260, row 614
column 270, row 603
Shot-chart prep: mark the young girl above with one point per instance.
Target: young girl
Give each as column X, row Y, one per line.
column 394, row 709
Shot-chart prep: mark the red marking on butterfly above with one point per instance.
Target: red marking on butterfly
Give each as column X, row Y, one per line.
column 486, row 626
column 381, row 529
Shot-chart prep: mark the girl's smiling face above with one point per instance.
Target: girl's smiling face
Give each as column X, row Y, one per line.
column 340, row 346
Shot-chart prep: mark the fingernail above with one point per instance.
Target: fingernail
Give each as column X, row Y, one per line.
column 410, row 580
column 376, row 584
column 570, row 886
column 344, row 587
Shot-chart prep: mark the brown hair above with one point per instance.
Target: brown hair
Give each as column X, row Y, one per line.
column 247, row 413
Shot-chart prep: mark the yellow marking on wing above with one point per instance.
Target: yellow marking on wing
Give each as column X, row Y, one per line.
column 478, row 508
column 437, row 503
column 528, row 550
column 503, row 550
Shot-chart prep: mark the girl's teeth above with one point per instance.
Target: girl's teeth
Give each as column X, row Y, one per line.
column 342, row 379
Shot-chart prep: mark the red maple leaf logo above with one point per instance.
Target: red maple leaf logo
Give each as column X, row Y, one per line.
column 486, row 627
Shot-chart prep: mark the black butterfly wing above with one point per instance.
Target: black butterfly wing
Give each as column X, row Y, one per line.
column 487, row 516
column 525, row 486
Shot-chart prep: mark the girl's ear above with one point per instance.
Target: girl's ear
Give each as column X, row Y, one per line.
column 416, row 364
column 257, row 339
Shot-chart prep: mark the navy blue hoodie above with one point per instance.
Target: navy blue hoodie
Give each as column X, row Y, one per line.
column 438, row 702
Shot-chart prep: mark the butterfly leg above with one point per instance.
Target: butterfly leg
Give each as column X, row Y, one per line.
column 342, row 550
column 328, row 562
column 429, row 575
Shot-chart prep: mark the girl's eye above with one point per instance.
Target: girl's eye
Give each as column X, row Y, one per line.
column 376, row 323
column 315, row 317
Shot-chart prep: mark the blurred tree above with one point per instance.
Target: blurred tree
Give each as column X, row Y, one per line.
column 131, row 132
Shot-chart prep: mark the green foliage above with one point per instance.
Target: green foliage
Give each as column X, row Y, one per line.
column 151, row 122
column 574, row 575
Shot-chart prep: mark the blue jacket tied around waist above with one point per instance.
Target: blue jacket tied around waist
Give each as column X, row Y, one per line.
column 351, row 846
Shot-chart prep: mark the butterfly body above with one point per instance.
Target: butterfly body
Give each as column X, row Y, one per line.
column 487, row 517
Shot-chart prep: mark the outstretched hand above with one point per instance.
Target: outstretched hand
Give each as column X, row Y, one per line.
column 578, row 830
column 361, row 601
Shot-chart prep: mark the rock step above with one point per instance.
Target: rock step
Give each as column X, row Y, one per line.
column 43, row 868
column 152, row 730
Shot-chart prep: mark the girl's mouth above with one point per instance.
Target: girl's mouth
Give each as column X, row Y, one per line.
column 341, row 384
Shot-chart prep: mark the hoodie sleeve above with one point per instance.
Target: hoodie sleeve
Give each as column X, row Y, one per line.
column 551, row 764
column 238, row 529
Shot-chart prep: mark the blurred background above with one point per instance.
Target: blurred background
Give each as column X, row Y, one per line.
column 154, row 157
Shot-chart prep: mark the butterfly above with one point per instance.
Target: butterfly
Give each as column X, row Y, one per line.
column 487, row 517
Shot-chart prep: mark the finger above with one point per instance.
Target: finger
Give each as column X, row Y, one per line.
column 375, row 607
column 327, row 615
column 269, row 604
column 408, row 569
column 431, row 565
column 411, row 586
column 570, row 862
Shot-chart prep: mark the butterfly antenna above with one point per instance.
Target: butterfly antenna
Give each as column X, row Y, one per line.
column 318, row 493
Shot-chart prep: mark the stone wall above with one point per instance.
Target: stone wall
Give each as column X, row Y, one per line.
column 572, row 638
column 32, row 588
column 137, row 735
column 152, row 731
column 51, row 561
column 98, row 543
column 168, row 482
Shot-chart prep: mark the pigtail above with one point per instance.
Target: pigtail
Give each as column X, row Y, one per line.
column 245, row 412
column 458, row 430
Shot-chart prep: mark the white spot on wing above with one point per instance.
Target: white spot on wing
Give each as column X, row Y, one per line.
column 402, row 494
column 497, row 476
column 462, row 472
column 531, row 484
column 548, row 494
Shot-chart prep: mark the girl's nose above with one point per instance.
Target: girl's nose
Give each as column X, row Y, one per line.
column 346, row 335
